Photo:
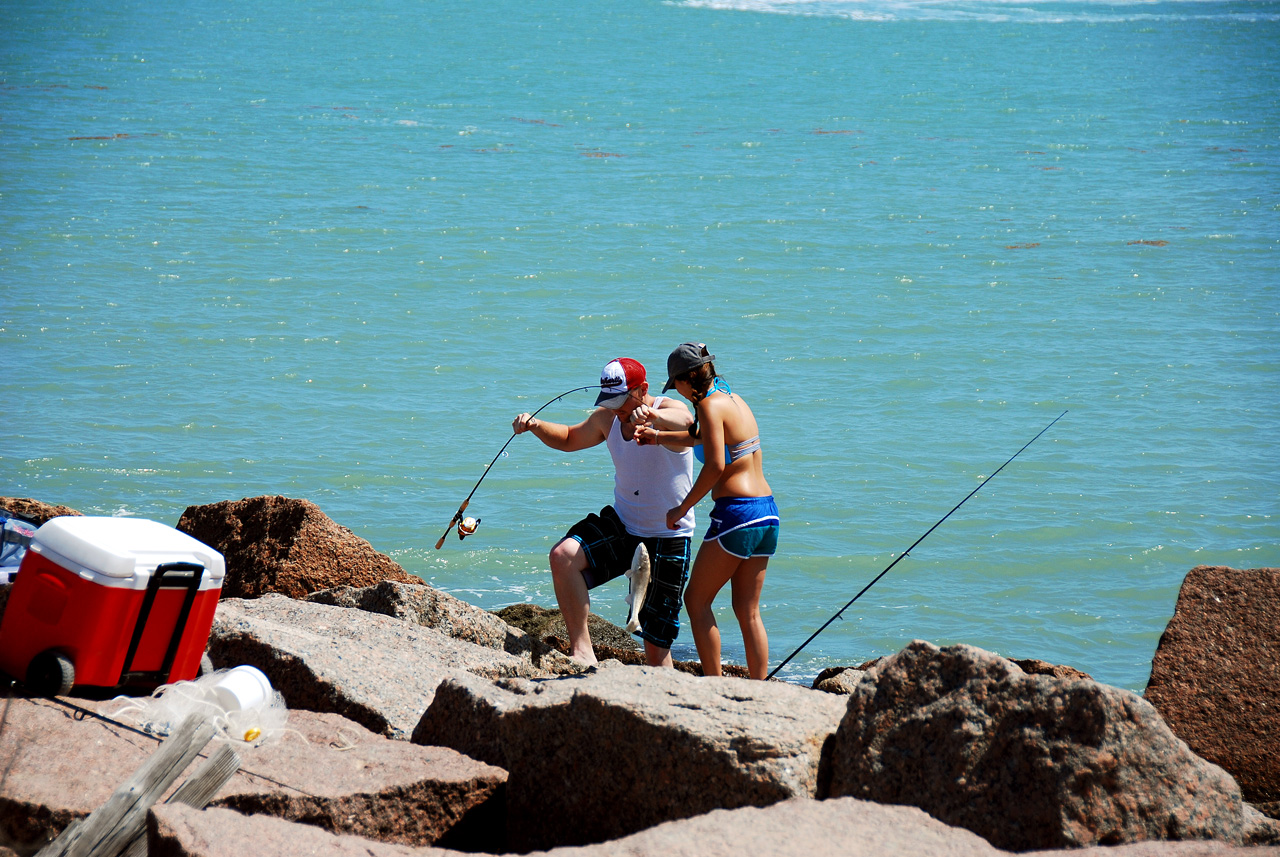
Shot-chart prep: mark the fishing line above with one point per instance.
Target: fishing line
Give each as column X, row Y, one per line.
column 79, row 714
column 468, row 526
column 908, row 550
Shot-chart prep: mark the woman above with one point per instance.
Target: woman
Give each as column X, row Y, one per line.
column 744, row 522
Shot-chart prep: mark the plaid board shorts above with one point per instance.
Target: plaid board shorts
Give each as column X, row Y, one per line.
column 609, row 549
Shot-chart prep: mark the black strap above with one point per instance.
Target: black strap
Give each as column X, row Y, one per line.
column 186, row 575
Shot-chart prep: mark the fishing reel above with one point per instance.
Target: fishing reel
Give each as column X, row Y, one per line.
column 467, row 526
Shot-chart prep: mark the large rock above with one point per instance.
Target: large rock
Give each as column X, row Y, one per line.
column 345, row 779
column 376, row 670
column 1035, row 666
column 423, row 605
column 620, row 748
column 794, row 828
column 427, row 606
column 845, row 679
column 175, row 830
column 58, row 766
column 539, row 622
column 840, row 680
column 608, row 641
column 1025, row 761
column 35, row 511
column 1215, row 677
column 279, row 544
column 466, row 714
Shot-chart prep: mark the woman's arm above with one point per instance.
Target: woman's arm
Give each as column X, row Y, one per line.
column 671, row 415
column 647, row 435
column 711, row 420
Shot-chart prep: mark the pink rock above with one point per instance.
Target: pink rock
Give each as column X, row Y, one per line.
column 1215, row 677
column 279, row 544
column 1025, row 761
column 59, row 766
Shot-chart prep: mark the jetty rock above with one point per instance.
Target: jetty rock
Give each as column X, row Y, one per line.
column 279, row 544
column 845, row 679
column 546, row 628
column 377, row 670
column 540, row 623
column 839, row 680
column 1027, row 761
column 423, row 604
column 621, row 748
column 1215, row 676
column 792, row 828
column 61, row 763
column 35, row 511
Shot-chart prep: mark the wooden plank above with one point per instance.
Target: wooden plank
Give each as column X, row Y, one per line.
column 70, row 832
column 112, row 827
column 198, row 789
column 201, row 786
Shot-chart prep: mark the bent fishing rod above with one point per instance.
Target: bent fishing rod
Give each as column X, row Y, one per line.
column 902, row 555
column 470, row 524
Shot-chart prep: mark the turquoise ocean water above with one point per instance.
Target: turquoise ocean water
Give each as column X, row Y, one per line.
column 329, row 250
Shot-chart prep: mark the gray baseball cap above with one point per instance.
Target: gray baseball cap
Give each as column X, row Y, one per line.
column 687, row 356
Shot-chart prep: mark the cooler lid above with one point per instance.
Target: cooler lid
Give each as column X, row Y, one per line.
column 120, row 547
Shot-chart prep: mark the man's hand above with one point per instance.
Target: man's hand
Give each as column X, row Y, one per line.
column 643, row 414
column 523, row 423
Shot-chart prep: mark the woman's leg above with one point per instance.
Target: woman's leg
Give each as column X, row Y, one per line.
column 748, row 580
column 712, row 568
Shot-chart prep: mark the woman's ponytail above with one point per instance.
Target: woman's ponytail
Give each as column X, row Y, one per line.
column 702, row 380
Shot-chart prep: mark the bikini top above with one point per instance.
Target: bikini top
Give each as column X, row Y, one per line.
column 732, row 453
column 738, row 450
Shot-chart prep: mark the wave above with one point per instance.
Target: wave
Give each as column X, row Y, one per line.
column 1015, row 11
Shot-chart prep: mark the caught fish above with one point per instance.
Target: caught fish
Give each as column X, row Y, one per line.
column 638, row 586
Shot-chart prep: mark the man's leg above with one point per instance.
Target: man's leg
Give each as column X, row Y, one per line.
column 656, row 656
column 568, row 561
column 660, row 616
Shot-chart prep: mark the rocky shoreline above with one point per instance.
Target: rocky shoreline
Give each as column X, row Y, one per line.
column 421, row 724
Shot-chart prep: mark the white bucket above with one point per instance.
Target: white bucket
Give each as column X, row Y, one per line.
column 242, row 688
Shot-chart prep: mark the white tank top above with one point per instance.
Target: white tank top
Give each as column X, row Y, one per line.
column 647, row 481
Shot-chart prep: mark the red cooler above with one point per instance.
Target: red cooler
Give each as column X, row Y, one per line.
column 109, row 602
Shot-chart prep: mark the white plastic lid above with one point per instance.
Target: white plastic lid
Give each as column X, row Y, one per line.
column 122, row 547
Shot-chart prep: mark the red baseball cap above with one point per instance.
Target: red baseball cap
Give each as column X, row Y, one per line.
column 619, row 376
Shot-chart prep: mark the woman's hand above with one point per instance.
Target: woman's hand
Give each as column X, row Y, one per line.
column 646, row 434
column 674, row 516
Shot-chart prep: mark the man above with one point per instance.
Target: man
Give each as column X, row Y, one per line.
column 648, row 480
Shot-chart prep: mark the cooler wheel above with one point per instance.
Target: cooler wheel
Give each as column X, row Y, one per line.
column 206, row 665
column 50, row 673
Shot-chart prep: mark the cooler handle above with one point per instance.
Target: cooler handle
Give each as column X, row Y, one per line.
column 184, row 574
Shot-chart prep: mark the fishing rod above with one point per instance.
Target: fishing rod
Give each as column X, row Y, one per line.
column 913, row 545
column 467, row 526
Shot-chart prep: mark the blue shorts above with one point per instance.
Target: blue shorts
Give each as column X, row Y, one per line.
column 745, row 526
column 609, row 549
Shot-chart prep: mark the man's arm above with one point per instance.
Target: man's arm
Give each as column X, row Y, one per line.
column 565, row 438
column 672, row 415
